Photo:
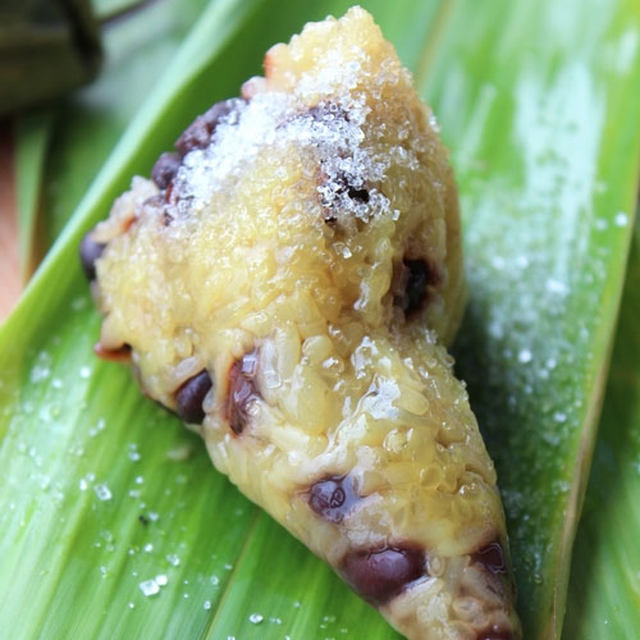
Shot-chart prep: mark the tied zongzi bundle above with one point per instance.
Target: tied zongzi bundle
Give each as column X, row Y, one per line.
column 47, row 47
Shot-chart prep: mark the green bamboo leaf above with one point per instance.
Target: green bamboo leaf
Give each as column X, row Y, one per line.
column 106, row 10
column 99, row 498
column 547, row 160
column 604, row 592
column 32, row 133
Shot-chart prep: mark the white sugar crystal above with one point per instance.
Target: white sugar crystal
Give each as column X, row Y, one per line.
column 556, row 286
column 179, row 453
column 560, row 416
column 207, row 605
column 100, row 426
column 525, row 356
column 103, row 492
column 256, row 618
column 149, row 587
column 162, row 579
column 173, row 559
column 39, row 373
column 329, row 136
column 342, row 249
column 621, row 219
column 498, row 262
column 79, row 303
column 148, row 547
column 85, row 372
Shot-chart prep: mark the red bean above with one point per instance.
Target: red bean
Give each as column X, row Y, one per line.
column 412, row 281
column 242, row 391
column 491, row 557
column 90, row 251
column 333, row 497
column 198, row 134
column 380, row 574
column 190, row 396
column 165, row 169
column 495, row 633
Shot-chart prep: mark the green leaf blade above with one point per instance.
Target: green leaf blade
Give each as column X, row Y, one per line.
column 604, row 593
column 32, row 133
column 86, row 478
column 546, row 161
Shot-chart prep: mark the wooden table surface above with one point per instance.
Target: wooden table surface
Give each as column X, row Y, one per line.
column 10, row 279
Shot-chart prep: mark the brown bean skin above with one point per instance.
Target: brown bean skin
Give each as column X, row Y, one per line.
column 412, row 280
column 333, row 497
column 123, row 354
column 198, row 134
column 378, row 575
column 495, row 633
column 190, row 396
column 242, row 391
column 165, row 169
column 491, row 556
column 90, row 251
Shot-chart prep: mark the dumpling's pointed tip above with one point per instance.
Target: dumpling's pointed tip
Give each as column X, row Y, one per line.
column 468, row 597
